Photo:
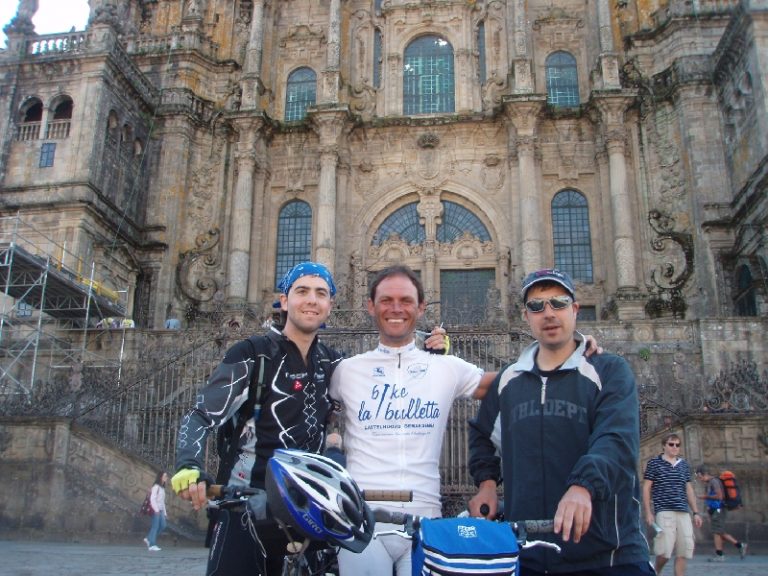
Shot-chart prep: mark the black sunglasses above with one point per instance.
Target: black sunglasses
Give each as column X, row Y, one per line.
column 536, row 305
column 674, row 444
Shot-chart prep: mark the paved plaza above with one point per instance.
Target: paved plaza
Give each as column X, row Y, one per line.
column 33, row 558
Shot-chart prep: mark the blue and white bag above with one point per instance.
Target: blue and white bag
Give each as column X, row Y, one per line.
column 465, row 546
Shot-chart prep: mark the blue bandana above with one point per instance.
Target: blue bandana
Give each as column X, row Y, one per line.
column 306, row 269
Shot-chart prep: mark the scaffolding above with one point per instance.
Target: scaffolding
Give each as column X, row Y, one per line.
column 52, row 302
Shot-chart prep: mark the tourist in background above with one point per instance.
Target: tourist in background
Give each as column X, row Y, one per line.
column 159, row 513
column 717, row 513
column 668, row 502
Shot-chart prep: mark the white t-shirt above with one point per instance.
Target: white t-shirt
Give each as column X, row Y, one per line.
column 396, row 405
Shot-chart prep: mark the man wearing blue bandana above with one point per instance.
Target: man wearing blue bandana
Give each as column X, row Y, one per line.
column 291, row 411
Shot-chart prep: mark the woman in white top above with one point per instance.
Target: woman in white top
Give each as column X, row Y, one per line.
column 159, row 514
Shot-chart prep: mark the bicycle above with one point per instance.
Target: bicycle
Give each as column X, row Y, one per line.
column 299, row 560
column 315, row 504
column 456, row 546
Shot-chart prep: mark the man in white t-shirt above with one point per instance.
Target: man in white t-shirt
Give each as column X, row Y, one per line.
column 396, row 402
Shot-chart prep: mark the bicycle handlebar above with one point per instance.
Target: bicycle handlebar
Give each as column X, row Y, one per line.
column 411, row 523
column 388, row 495
column 227, row 492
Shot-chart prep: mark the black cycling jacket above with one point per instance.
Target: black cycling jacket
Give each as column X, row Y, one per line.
column 295, row 404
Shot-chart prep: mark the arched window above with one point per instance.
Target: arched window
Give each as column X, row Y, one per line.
column 456, row 221
column 481, row 52
column 294, row 237
column 58, row 128
column 300, row 93
column 404, row 223
column 746, row 302
column 428, row 86
column 571, row 235
column 30, row 117
column 377, row 42
column 562, row 80
column 63, row 110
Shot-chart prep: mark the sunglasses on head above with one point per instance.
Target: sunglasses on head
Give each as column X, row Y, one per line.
column 674, row 444
column 536, row 305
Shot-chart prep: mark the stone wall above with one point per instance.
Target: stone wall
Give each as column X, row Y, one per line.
column 72, row 485
column 69, row 484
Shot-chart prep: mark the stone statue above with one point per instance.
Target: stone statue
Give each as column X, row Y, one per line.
column 27, row 9
column 22, row 22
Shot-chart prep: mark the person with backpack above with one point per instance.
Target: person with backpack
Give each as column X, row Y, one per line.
column 714, row 497
column 269, row 392
column 159, row 512
column 669, row 500
column 290, row 410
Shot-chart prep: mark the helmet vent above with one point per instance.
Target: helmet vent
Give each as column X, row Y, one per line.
column 319, row 470
column 317, row 486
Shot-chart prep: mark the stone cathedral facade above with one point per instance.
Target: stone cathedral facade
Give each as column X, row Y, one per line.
column 196, row 149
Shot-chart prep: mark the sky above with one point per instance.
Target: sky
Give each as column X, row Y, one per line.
column 53, row 16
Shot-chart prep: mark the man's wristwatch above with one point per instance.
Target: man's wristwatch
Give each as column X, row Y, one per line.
column 696, row 514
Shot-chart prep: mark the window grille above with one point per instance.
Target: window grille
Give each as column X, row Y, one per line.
column 404, row 223
column 456, row 221
column 300, row 94
column 562, row 80
column 294, row 237
column 571, row 235
column 428, row 84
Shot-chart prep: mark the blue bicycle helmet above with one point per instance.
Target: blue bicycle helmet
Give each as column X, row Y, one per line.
column 317, row 498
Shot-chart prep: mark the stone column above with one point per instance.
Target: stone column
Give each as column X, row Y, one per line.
column 614, row 133
column 430, row 211
column 394, row 85
column 325, row 244
column 621, row 211
column 259, row 278
column 255, row 40
column 609, row 60
column 253, row 54
column 523, row 114
column 331, row 77
column 330, row 126
column 240, row 219
column 521, row 74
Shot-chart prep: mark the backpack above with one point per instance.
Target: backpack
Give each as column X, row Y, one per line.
column 228, row 434
column 731, row 490
column 263, row 349
column 146, row 506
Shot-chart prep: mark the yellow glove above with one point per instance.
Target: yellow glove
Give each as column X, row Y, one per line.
column 422, row 337
column 183, row 478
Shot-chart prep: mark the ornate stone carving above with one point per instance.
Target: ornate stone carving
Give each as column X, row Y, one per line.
column 667, row 294
column 196, row 269
column 428, row 140
column 492, row 172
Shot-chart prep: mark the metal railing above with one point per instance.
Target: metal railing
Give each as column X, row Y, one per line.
column 141, row 410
